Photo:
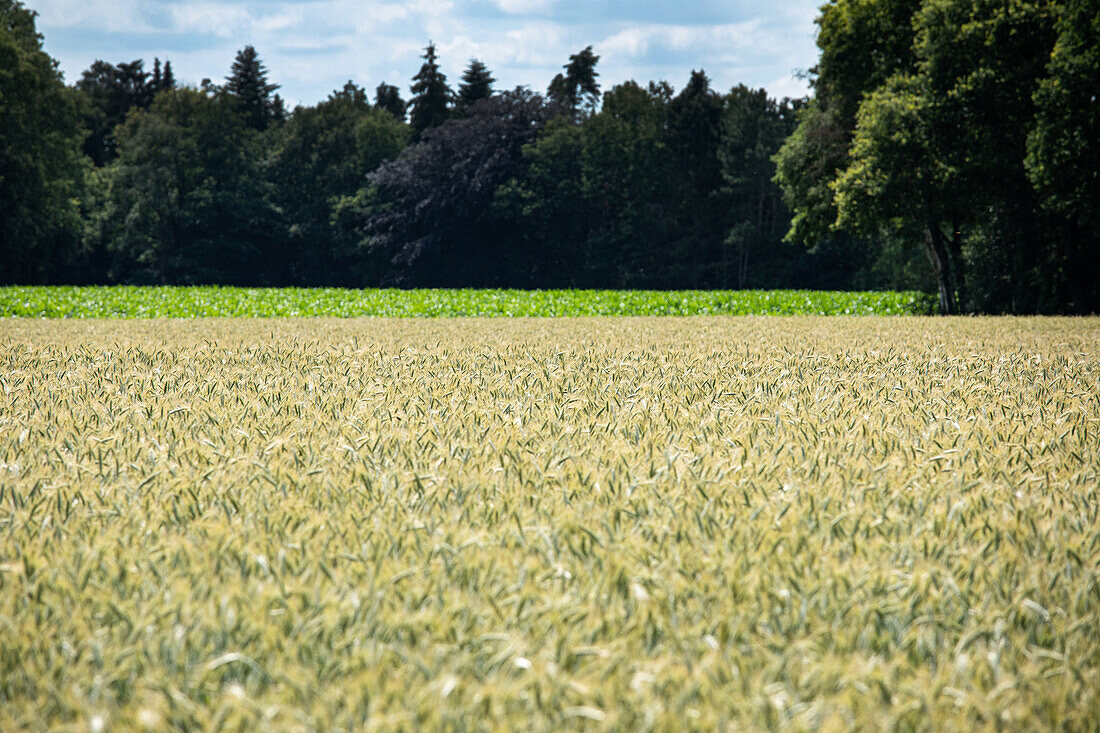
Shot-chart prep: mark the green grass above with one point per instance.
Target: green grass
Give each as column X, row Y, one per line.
column 198, row 302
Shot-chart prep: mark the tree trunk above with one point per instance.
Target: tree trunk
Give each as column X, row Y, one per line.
column 957, row 266
column 937, row 254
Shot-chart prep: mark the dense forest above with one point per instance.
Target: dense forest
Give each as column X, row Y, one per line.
column 948, row 145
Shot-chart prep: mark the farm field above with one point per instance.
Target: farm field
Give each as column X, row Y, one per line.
column 205, row 302
column 632, row 524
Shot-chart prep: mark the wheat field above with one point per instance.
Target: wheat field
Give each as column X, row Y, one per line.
column 533, row 524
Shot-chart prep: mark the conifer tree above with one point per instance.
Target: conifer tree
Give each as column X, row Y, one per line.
column 254, row 94
column 477, row 84
column 431, row 101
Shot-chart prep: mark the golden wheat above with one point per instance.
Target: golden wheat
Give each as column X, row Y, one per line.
column 636, row 524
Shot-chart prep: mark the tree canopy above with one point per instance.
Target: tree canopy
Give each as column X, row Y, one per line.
column 927, row 118
column 41, row 166
column 577, row 89
column 947, row 145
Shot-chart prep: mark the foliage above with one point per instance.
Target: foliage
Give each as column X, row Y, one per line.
column 863, row 43
column 477, row 84
column 920, row 134
column 202, row 302
column 108, row 93
column 432, row 215
column 947, row 146
column 430, row 105
column 388, row 97
column 185, row 200
column 316, row 159
column 753, row 127
column 577, row 89
column 253, row 94
column 41, row 169
column 741, row 524
column 1063, row 159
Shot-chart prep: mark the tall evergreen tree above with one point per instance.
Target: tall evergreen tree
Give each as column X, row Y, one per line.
column 431, row 101
column 162, row 78
column 577, row 89
column 255, row 95
column 477, row 84
column 387, row 97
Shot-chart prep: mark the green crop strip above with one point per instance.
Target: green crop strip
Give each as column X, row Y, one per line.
column 197, row 302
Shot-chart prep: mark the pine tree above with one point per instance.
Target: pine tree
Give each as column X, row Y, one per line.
column 430, row 104
column 248, row 84
column 477, row 84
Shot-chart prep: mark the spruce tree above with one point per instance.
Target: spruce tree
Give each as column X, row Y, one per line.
column 477, row 84
column 255, row 96
column 162, row 78
column 430, row 104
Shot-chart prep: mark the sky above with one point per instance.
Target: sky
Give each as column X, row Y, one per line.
column 312, row 47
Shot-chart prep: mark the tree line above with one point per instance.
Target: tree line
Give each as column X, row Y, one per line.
column 948, row 145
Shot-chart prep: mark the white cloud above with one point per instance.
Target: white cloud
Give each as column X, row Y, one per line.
column 519, row 7
column 126, row 16
column 311, row 48
column 722, row 39
column 788, row 86
column 213, row 18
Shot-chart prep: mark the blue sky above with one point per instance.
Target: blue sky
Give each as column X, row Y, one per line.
column 313, row 46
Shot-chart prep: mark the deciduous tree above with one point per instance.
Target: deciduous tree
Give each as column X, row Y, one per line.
column 41, row 168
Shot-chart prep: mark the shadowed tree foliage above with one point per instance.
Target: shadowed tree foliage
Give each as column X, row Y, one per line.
column 577, row 89
column 162, row 78
column 252, row 93
column 477, row 84
column 108, row 94
column 317, row 158
column 937, row 156
column 863, row 43
column 387, row 97
column 696, row 187
column 430, row 105
column 1063, row 160
column 754, row 126
column 431, row 211
column 185, row 201
column 41, row 168
column 919, row 133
